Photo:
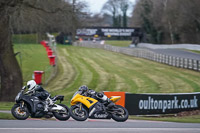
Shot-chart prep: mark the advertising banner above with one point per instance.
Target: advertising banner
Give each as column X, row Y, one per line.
column 144, row 104
column 107, row 31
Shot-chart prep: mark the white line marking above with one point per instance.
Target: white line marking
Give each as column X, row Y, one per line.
column 101, row 128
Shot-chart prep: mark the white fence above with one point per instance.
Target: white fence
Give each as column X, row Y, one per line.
column 147, row 54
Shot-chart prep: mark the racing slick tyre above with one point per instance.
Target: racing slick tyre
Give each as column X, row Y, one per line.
column 19, row 113
column 77, row 114
column 121, row 115
column 62, row 115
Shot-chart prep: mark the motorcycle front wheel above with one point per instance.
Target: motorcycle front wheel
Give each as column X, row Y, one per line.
column 121, row 115
column 62, row 115
column 77, row 114
column 19, row 113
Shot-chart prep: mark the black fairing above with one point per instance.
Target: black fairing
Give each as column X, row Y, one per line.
column 34, row 104
column 59, row 97
column 27, row 101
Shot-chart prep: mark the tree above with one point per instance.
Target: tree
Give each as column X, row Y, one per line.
column 118, row 10
column 54, row 16
column 124, row 6
column 36, row 16
column 11, row 77
column 112, row 7
column 168, row 21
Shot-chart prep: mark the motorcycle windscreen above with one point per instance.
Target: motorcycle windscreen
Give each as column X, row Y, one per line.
column 115, row 99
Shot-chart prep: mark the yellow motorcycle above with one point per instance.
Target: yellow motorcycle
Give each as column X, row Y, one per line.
column 83, row 107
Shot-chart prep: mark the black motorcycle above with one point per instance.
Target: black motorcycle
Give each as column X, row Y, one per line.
column 30, row 105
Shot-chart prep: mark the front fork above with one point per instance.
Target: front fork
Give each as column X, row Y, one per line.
column 80, row 106
column 22, row 105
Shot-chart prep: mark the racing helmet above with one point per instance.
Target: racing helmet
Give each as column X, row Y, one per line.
column 102, row 96
column 83, row 88
column 31, row 85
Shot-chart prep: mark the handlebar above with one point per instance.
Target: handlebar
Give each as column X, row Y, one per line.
column 29, row 92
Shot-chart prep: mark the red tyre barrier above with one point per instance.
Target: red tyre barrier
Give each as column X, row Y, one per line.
column 44, row 43
column 38, row 76
column 52, row 60
column 49, row 52
column 47, row 48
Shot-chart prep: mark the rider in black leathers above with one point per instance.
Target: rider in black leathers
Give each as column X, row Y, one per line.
column 38, row 91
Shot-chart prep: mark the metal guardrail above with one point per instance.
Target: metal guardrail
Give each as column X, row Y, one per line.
column 185, row 63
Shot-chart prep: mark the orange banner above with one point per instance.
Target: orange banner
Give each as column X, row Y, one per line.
column 122, row 94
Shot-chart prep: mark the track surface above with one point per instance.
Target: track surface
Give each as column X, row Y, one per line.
column 178, row 53
column 31, row 123
column 95, row 126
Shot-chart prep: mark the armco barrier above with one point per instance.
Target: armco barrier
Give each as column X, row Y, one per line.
column 147, row 104
column 147, row 54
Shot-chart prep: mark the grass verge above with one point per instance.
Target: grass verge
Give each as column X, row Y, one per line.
column 6, row 116
column 6, row 105
column 119, row 43
column 195, row 51
column 32, row 57
column 118, row 72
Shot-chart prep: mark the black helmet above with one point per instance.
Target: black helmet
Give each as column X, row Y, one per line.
column 100, row 95
column 83, row 88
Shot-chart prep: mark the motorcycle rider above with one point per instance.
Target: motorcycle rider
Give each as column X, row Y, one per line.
column 39, row 92
column 96, row 95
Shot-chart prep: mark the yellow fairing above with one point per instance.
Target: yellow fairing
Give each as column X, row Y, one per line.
column 87, row 101
column 114, row 99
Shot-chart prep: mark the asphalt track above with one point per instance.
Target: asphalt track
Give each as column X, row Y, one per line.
column 95, row 126
column 177, row 53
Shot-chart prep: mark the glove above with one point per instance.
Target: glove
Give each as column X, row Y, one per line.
column 29, row 92
column 91, row 92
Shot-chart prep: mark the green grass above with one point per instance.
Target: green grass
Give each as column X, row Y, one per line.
column 33, row 57
column 6, row 116
column 6, row 105
column 119, row 43
column 108, row 71
column 184, row 119
column 195, row 51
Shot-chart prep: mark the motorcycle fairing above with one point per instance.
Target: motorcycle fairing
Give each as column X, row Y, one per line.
column 57, row 107
column 28, row 101
column 87, row 101
column 98, row 111
column 32, row 103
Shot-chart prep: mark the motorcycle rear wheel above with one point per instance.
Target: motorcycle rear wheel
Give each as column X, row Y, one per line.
column 62, row 116
column 18, row 113
column 77, row 114
column 121, row 116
